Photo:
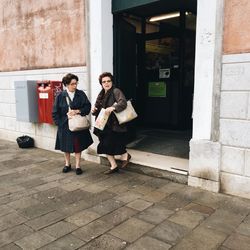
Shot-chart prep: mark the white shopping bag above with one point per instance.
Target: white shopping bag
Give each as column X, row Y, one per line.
column 101, row 119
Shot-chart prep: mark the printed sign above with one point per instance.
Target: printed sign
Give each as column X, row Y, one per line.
column 157, row 89
column 43, row 95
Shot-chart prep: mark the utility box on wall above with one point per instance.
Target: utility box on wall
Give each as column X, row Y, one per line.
column 26, row 101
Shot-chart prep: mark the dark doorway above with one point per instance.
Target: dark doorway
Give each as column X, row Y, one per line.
column 154, row 65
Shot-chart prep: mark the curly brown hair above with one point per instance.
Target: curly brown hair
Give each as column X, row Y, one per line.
column 68, row 78
column 105, row 74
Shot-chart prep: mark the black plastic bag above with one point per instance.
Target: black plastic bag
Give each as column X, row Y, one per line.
column 25, row 141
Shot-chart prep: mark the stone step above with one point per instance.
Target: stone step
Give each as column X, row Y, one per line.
column 166, row 167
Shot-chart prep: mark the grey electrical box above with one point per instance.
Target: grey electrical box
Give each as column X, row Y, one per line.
column 26, row 101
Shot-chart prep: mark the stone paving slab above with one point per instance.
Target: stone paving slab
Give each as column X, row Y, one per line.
column 120, row 215
column 35, row 240
column 60, row 229
column 155, row 214
column 105, row 242
column 201, row 238
column 148, row 243
column 45, row 220
column 11, row 247
column 169, row 232
column 131, row 229
column 11, row 220
column 68, row 242
column 237, row 242
column 92, row 230
column 187, row 218
column 15, row 233
column 244, row 227
column 139, row 204
column 223, row 221
column 42, row 208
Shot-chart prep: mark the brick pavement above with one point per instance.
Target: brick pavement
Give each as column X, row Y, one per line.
column 42, row 208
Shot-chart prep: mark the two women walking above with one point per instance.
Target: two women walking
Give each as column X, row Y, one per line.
column 112, row 138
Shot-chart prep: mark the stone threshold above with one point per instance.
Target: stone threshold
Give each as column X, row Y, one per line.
column 167, row 167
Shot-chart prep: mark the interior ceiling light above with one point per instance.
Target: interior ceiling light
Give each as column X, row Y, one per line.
column 166, row 16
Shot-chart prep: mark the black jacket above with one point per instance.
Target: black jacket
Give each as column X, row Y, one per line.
column 65, row 138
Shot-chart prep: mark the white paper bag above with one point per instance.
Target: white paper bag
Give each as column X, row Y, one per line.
column 101, row 119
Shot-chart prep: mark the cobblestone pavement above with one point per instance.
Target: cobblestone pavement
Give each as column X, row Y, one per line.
column 42, row 208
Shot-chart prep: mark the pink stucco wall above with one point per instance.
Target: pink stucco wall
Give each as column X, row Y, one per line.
column 236, row 27
column 41, row 34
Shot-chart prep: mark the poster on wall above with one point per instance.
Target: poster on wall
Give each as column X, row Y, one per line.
column 157, row 89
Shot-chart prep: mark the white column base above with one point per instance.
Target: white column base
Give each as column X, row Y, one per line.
column 213, row 186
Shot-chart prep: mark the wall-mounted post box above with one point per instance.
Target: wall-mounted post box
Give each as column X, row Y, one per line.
column 26, row 101
column 47, row 91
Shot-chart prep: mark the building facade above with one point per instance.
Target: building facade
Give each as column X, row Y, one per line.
column 48, row 39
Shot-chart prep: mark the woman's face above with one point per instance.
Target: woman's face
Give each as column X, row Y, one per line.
column 72, row 85
column 106, row 83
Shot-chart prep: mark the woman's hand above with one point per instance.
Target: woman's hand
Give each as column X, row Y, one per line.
column 73, row 112
column 109, row 110
column 94, row 109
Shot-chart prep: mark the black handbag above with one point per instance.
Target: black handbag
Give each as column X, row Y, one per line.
column 25, row 141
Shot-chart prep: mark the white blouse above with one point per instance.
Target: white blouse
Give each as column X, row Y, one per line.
column 71, row 94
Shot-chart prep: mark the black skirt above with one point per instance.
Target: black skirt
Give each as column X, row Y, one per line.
column 111, row 143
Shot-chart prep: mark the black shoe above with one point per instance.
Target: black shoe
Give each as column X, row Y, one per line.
column 126, row 162
column 111, row 171
column 78, row 171
column 66, row 169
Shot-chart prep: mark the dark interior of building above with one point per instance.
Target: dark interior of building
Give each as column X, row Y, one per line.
column 154, row 53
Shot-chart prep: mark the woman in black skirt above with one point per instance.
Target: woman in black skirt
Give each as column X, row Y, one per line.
column 113, row 137
column 66, row 140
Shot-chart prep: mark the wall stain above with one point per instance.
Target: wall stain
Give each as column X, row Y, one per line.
column 42, row 34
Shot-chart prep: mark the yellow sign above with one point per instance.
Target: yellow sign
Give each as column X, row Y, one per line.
column 155, row 48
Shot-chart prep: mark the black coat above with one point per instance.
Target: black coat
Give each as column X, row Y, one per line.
column 65, row 138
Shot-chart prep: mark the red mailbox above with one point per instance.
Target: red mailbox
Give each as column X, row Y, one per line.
column 47, row 91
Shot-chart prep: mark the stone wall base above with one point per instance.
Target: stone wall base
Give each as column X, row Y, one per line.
column 235, row 185
column 209, row 185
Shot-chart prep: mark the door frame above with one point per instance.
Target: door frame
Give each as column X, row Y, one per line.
column 206, row 87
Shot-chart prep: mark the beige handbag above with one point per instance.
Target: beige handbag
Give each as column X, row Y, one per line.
column 77, row 122
column 127, row 114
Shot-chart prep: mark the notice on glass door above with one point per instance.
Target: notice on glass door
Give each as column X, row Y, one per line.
column 157, row 89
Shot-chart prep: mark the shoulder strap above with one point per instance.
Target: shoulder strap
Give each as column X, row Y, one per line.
column 68, row 102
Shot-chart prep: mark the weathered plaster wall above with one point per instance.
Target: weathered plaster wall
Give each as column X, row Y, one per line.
column 236, row 26
column 41, row 34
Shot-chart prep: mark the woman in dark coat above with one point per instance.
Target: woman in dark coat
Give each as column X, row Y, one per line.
column 113, row 137
column 67, row 141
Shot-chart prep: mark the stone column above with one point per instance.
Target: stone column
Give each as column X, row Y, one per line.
column 99, row 21
column 205, row 150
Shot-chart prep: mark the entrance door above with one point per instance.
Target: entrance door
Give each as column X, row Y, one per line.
column 161, row 84
column 125, row 63
column 153, row 64
column 125, row 57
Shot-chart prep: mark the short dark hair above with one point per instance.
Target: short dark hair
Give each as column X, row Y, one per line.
column 68, row 78
column 105, row 74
